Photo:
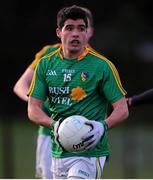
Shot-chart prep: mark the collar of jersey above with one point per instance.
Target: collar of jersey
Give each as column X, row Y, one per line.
column 80, row 57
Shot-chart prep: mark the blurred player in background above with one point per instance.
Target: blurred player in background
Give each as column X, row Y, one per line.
column 145, row 97
column 77, row 80
column 43, row 150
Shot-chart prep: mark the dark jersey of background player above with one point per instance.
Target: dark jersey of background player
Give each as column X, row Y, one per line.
column 145, row 97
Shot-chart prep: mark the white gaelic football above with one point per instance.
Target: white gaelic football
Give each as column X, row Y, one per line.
column 71, row 131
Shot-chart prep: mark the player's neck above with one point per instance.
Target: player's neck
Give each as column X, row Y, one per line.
column 71, row 54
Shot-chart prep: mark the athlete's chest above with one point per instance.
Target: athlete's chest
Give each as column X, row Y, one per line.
column 70, row 81
column 69, row 74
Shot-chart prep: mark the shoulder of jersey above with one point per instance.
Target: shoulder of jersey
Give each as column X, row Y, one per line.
column 46, row 50
column 53, row 47
column 97, row 54
column 51, row 50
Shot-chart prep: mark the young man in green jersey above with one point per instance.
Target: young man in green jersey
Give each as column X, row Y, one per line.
column 77, row 80
column 43, row 149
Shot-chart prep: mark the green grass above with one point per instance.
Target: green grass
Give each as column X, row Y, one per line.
column 131, row 151
column 21, row 149
column 24, row 148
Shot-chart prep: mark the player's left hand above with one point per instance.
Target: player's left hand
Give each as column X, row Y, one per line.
column 92, row 137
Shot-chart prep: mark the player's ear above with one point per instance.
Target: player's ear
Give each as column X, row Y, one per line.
column 58, row 32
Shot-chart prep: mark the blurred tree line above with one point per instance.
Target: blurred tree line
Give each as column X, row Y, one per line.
column 123, row 33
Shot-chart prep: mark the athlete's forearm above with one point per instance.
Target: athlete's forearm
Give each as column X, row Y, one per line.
column 143, row 98
column 37, row 115
column 120, row 113
column 21, row 92
column 22, row 85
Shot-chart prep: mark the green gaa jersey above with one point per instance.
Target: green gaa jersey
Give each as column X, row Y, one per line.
column 43, row 52
column 83, row 86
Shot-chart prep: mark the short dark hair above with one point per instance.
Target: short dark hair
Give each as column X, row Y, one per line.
column 73, row 12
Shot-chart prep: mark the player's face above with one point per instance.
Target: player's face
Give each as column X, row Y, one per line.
column 73, row 36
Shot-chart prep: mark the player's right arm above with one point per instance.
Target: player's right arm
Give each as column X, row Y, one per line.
column 22, row 85
column 38, row 93
column 36, row 114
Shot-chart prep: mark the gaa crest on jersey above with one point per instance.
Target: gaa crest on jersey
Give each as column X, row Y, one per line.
column 51, row 73
column 84, row 76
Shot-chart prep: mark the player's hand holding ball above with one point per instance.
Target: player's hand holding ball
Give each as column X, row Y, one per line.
column 77, row 134
column 68, row 133
column 93, row 137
